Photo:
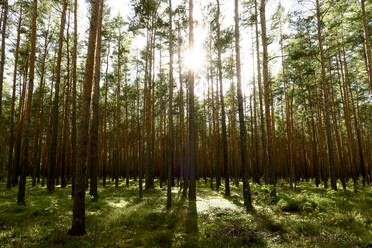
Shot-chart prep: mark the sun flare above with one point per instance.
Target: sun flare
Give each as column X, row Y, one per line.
column 194, row 58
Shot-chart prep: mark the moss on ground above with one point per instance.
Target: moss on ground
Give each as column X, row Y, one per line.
column 306, row 217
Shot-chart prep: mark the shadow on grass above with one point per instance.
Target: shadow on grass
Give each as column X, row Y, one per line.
column 192, row 218
column 235, row 199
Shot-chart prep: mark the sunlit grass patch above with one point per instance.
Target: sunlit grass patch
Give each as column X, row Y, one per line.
column 218, row 202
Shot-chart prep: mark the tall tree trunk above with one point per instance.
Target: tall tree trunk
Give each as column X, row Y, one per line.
column 192, row 165
column 260, row 96
column 46, row 154
column 256, row 159
column 117, row 118
column 182, row 111
column 223, row 115
column 243, row 134
column 326, row 100
column 170, row 111
column 267, row 93
column 18, row 142
column 35, row 156
column 66, row 109
column 355, row 108
column 141, row 131
column 104, row 162
column 73, row 116
column 55, row 115
column 25, row 163
column 126, row 127
column 214, row 145
column 78, row 219
column 346, row 108
column 3, row 48
column 366, row 44
column 11, row 169
column 339, row 155
column 289, row 118
column 95, row 107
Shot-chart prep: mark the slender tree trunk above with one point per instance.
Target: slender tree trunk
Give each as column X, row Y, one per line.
column 66, row 109
column 152, row 154
column 366, row 43
column 214, row 145
column 256, row 160
column 182, row 111
column 104, row 162
column 95, row 121
column 18, row 142
column 117, row 159
column 223, row 115
column 73, row 116
column 54, row 122
column 35, row 156
column 192, row 165
column 289, row 118
column 145, row 136
column 3, row 48
column 126, row 126
column 267, row 93
column 141, row 131
column 11, row 169
column 339, row 155
column 326, row 101
column 46, row 154
column 78, row 220
column 170, row 111
column 25, row 163
column 211, row 110
column 346, row 107
column 260, row 95
column 355, row 107
column 243, row 134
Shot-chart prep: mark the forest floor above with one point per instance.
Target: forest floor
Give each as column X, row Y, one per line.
column 306, row 217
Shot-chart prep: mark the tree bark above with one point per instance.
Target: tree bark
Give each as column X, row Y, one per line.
column 243, row 134
column 73, row 116
column 55, row 115
column 182, row 111
column 366, row 43
column 3, row 48
column 104, row 162
column 78, row 220
column 223, row 115
column 267, row 93
column 326, row 100
column 260, row 96
column 25, row 163
column 192, row 165
column 170, row 111
column 35, row 156
column 11, row 169
column 95, row 107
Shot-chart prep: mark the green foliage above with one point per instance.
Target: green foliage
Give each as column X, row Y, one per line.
column 159, row 239
column 305, row 217
column 296, row 205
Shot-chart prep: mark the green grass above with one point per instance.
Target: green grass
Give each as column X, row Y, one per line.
column 307, row 217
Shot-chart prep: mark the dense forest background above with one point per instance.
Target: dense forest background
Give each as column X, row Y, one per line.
column 247, row 96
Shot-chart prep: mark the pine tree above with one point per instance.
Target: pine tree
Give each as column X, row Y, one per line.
column 78, row 219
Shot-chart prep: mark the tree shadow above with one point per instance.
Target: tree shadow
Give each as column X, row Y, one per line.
column 192, row 218
column 268, row 224
column 235, row 199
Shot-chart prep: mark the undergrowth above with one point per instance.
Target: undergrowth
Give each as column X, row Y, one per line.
column 305, row 217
